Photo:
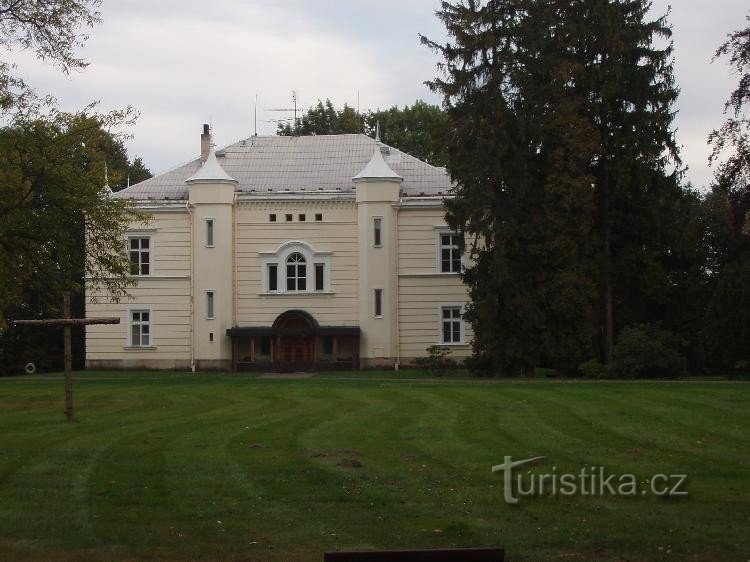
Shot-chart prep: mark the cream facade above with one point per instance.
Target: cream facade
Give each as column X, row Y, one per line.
column 287, row 253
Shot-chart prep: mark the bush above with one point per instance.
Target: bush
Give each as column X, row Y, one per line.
column 438, row 360
column 593, row 369
column 645, row 351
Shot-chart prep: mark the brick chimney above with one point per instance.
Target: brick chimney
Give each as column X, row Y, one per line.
column 205, row 142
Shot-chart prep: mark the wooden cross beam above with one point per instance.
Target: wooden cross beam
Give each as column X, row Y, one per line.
column 66, row 323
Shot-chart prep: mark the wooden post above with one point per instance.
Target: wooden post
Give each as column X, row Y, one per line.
column 67, row 323
column 68, row 360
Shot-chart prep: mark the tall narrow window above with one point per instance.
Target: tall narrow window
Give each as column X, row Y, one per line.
column 140, row 255
column 273, row 276
column 296, row 272
column 450, row 254
column 451, row 324
column 377, row 236
column 209, row 232
column 209, row 304
column 319, row 277
column 140, row 328
column 378, row 303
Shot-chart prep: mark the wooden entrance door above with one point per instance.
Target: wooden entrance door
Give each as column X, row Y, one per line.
column 296, row 349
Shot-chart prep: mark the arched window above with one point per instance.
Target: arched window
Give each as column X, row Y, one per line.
column 296, row 272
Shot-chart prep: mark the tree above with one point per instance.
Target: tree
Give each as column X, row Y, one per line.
column 416, row 130
column 53, row 30
column 726, row 325
column 51, row 181
column 560, row 142
column 323, row 119
column 518, row 146
column 52, row 169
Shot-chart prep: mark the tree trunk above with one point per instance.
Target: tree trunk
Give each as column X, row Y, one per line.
column 68, row 361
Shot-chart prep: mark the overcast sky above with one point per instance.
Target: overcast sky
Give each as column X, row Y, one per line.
column 182, row 63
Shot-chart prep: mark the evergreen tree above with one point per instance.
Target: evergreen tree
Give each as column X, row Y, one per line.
column 560, row 142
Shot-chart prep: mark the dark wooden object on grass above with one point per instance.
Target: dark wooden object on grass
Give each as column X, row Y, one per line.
column 66, row 324
column 429, row 555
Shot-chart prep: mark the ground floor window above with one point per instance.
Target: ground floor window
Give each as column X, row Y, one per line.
column 140, row 328
column 451, row 324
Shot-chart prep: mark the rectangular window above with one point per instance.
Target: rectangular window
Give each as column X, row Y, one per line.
column 209, row 232
column 377, row 227
column 289, row 218
column 140, row 328
column 273, row 277
column 327, row 345
column 140, row 255
column 301, row 217
column 272, row 217
column 318, row 217
column 451, row 324
column 450, row 254
column 378, row 303
column 319, row 277
column 209, row 304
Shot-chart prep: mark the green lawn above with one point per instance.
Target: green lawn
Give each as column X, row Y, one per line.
column 176, row 466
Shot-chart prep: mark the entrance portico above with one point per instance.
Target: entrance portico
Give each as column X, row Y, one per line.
column 295, row 342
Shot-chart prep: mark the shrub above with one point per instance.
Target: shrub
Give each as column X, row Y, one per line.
column 593, row 369
column 438, row 360
column 645, row 351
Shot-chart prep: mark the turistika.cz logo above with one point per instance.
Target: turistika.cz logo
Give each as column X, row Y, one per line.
column 590, row 481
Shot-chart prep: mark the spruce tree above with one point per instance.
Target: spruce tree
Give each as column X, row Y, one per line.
column 560, row 146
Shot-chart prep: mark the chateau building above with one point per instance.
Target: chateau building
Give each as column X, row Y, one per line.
column 287, row 253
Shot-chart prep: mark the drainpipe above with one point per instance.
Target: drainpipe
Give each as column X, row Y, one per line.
column 192, row 274
column 398, row 295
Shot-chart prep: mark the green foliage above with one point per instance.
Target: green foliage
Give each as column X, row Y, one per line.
column 417, row 130
column 645, row 351
column 725, row 329
column 52, row 30
column 51, row 178
column 593, row 369
column 560, row 143
column 324, row 119
column 437, row 361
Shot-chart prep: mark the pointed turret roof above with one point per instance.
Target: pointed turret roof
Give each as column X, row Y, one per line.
column 211, row 172
column 377, row 169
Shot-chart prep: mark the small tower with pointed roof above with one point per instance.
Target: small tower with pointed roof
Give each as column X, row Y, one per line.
column 377, row 194
column 211, row 203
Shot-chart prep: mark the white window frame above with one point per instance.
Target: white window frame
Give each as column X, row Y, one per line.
column 297, row 277
column 440, row 232
column 131, row 323
column 377, row 293
column 151, row 247
column 462, row 324
column 377, row 227
column 279, row 258
column 210, row 304
column 210, row 239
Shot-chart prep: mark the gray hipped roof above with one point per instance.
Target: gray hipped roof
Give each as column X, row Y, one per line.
column 275, row 164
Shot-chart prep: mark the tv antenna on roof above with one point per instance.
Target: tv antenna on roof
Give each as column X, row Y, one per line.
column 293, row 109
